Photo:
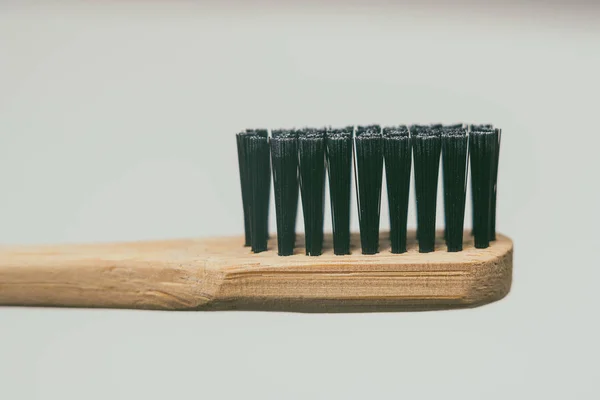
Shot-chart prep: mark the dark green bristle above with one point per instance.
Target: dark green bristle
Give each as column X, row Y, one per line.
column 339, row 167
column 397, row 155
column 483, row 143
column 284, row 159
column 495, row 163
column 311, row 151
column 426, row 142
column 368, row 171
column 472, row 127
column 245, row 183
column 266, row 173
column 454, row 168
column 257, row 173
column 300, row 160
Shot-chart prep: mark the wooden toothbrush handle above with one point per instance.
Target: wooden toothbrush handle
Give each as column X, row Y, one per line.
column 152, row 275
column 219, row 273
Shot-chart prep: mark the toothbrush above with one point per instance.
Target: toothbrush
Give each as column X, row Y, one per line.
column 400, row 270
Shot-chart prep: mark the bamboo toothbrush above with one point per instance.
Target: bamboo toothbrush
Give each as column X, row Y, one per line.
column 315, row 272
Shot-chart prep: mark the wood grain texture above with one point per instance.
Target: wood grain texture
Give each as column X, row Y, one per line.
column 220, row 274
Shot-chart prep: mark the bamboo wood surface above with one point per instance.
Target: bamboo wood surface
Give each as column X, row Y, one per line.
column 218, row 274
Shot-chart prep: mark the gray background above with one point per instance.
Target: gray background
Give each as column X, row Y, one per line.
column 116, row 123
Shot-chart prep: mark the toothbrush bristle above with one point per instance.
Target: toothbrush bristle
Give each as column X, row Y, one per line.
column 240, row 139
column 454, row 170
column 483, row 143
column 339, row 167
column 426, row 142
column 284, row 160
column 397, row 156
column 256, row 178
column 495, row 163
column 311, row 159
column 301, row 159
column 368, row 171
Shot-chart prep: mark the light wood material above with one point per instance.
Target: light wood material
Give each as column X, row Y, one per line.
column 218, row 273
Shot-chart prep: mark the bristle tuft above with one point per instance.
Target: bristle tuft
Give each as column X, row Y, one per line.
column 426, row 143
column 397, row 155
column 311, row 146
column 255, row 175
column 301, row 159
column 264, row 133
column 240, row 139
column 454, row 168
column 339, row 167
column 483, row 144
column 284, row 159
column 495, row 163
column 368, row 171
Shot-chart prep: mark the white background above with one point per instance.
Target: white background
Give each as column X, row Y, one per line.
column 117, row 123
